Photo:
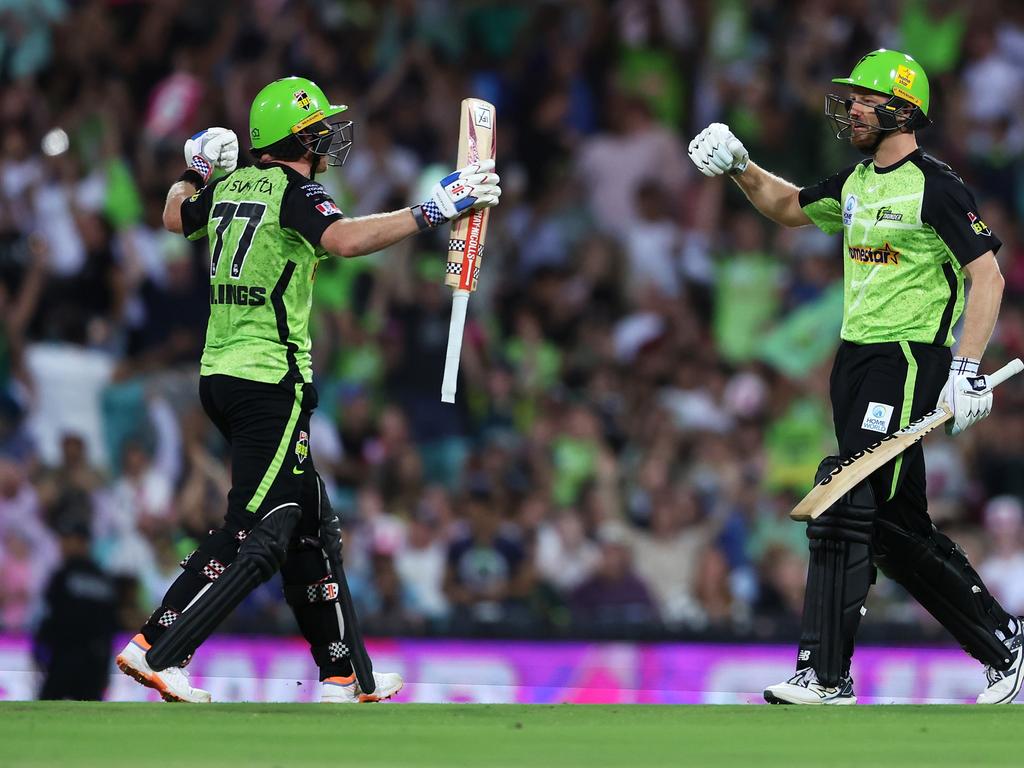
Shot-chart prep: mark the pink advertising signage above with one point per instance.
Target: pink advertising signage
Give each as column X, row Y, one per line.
column 280, row 669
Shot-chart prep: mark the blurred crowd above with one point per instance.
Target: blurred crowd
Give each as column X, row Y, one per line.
column 644, row 378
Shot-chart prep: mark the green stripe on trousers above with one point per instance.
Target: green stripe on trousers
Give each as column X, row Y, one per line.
column 282, row 451
column 908, row 404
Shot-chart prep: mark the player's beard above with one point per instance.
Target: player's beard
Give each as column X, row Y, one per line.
column 867, row 142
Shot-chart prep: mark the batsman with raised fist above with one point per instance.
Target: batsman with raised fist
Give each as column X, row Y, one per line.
column 911, row 234
column 268, row 225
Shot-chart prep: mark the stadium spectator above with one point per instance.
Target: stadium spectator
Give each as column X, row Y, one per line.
column 1003, row 568
column 614, row 598
column 73, row 641
column 488, row 577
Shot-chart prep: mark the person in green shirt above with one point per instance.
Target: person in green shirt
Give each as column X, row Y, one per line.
column 269, row 225
column 911, row 234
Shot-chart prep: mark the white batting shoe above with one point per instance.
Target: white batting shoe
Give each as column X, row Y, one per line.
column 345, row 690
column 171, row 683
column 804, row 688
column 1004, row 685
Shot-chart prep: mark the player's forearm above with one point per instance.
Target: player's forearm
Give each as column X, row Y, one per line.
column 980, row 314
column 178, row 193
column 369, row 234
column 774, row 197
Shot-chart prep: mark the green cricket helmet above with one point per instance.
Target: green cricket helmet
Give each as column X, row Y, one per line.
column 890, row 73
column 295, row 106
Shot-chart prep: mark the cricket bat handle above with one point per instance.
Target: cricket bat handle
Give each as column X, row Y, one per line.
column 460, row 299
column 1012, row 368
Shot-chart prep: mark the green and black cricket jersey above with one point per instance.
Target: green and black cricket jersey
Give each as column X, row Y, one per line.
column 908, row 232
column 264, row 223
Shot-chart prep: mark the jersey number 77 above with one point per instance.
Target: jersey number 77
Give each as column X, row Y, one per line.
column 227, row 212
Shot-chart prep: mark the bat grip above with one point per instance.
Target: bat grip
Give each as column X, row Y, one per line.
column 460, row 298
column 1012, row 368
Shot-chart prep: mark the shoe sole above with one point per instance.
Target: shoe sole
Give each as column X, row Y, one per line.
column 150, row 682
column 771, row 698
column 373, row 698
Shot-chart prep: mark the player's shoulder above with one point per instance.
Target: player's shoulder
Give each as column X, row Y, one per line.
column 858, row 169
column 298, row 185
column 936, row 171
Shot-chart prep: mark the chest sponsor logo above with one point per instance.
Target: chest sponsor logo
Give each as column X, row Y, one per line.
column 328, row 208
column 886, row 213
column 238, row 295
column 848, row 209
column 979, row 226
column 877, row 418
column 885, row 255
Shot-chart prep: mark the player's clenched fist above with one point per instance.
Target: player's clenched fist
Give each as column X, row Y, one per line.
column 473, row 187
column 212, row 148
column 715, row 151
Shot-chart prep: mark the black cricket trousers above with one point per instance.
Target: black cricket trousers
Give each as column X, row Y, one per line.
column 877, row 389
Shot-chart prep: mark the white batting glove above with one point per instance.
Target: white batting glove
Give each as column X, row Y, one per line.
column 471, row 188
column 715, row 151
column 212, row 148
column 967, row 394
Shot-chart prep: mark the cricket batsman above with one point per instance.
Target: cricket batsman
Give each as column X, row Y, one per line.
column 911, row 234
column 269, row 225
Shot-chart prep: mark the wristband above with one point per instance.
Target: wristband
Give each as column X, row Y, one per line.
column 421, row 220
column 192, row 176
column 964, row 366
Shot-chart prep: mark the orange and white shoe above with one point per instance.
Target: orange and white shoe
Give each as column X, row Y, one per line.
column 172, row 683
column 345, row 690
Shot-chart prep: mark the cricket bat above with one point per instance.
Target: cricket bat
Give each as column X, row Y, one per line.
column 466, row 243
column 860, row 465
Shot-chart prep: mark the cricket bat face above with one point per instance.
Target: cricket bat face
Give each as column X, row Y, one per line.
column 466, row 244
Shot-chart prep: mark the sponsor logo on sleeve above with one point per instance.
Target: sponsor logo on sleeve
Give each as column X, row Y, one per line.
column 979, row 226
column 302, row 447
column 313, row 189
column 328, row 208
column 877, row 418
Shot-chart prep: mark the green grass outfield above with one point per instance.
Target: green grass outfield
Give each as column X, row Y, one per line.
column 476, row 736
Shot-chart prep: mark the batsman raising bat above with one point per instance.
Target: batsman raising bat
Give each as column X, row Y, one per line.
column 268, row 226
column 911, row 233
